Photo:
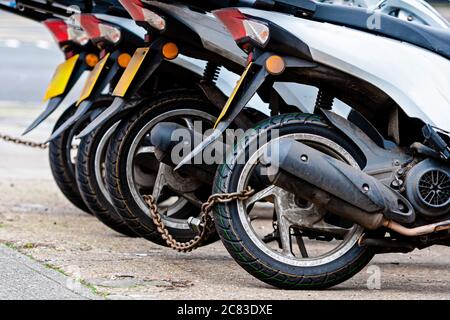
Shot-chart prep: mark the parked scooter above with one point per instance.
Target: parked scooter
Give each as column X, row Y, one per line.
column 342, row 188
column 82, row 50
column 128, row 181
column 81, row 55
column 133, row 170
column 89, row 169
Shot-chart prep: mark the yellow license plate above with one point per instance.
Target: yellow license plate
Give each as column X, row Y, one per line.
column 92, row 80
column 130, row 72
column 61, row 78
column 233, row 95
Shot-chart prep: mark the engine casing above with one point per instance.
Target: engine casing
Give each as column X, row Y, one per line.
column 428, row 188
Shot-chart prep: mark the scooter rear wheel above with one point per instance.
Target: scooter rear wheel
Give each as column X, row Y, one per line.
column 132, row 168
column 62, row 161
column 303, row 252
column 90, row 176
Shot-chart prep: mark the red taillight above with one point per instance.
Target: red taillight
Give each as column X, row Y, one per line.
column 134, row 8
column 242, row 28
column 233, row 19
column 59, row 29
column 90, row 24
column 140, row 14
column 96, row 29
column 63, row 31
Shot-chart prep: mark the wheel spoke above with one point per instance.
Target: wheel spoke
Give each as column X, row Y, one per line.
column 284, row 230
column 189, row 123
column 192, row 198
column 160, row 182
column 283, row 202
column 290, row 215
column 145, row 150
column 267, row 192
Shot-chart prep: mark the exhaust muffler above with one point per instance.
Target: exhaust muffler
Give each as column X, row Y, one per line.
column 166, row 136
column 336, row 186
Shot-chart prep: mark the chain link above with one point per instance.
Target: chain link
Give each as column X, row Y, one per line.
column 205, row 218
column 26, row 143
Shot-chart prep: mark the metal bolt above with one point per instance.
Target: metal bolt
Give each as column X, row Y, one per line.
column 195, row 224
column 397, row 183
column 366, row 188
column 304, row 158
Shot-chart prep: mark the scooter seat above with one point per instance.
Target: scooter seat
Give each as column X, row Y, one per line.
column 433, row 39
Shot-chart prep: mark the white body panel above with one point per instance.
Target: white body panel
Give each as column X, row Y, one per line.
column 417, row 79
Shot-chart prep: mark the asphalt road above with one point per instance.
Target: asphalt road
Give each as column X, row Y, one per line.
column 36, row 220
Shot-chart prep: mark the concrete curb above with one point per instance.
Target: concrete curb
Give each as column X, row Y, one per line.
column 22, row 278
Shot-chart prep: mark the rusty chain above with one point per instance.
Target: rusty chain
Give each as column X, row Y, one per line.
column 206, row 219
column 26, row 143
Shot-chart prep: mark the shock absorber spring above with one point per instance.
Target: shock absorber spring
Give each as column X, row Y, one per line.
column 211, row 73
column 325, row 100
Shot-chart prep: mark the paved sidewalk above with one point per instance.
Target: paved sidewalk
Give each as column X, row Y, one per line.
column 21, row 278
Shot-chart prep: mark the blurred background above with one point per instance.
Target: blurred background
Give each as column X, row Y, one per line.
column 36, row 217
column 28, row 56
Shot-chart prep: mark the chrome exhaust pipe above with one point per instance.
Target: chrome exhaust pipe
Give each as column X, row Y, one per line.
column 336, row 186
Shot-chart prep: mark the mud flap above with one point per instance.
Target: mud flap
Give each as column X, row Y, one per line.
column 55, row 102
column 252, row 79
column 103, row 80
column 122, row 102
column 82, row 109
column 118, row 106
column 52, row 105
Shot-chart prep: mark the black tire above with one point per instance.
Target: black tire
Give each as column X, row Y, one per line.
column 116, row 165
column 91, row 191
column 244, row 250
column 63, row 170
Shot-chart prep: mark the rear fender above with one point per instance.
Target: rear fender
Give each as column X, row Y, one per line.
column 381, row 163
column 106, row 76
column 55, row 102
column 254, row 77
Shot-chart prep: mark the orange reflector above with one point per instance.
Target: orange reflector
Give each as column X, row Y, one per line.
column 123, row 60
column 275, row 65
column 170, row 51
column 91, row 60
